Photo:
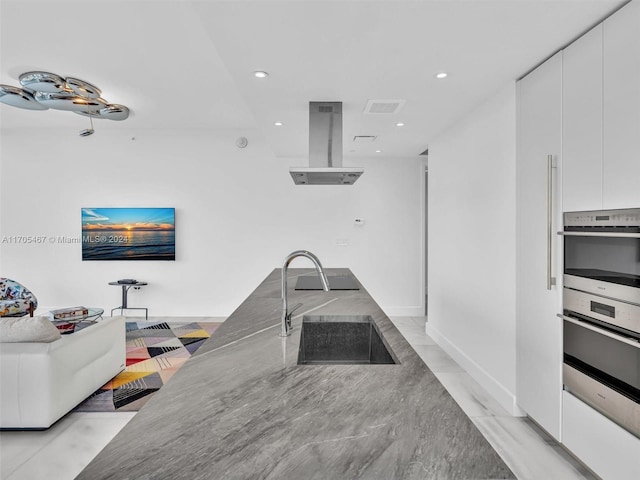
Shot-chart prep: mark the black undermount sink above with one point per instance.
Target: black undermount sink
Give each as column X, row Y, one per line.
column 342, row 339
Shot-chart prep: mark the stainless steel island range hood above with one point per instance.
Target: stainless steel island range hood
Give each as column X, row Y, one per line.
column 325, row 149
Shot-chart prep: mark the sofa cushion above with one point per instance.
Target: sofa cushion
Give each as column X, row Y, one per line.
column 28, row 329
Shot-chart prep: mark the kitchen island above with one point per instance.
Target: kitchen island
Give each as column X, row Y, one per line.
column 242, row 408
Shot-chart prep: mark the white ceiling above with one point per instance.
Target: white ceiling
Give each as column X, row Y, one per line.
column 182, row 64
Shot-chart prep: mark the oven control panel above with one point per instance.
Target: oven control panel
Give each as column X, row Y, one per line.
column 621, row 314
column 629, row 217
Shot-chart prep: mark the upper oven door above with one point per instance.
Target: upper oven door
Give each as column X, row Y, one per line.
column 602, row 253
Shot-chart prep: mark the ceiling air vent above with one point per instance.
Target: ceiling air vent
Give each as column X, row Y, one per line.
column 375, row 107
column 364, row 138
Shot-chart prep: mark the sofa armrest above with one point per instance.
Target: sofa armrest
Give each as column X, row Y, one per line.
column 43, row 381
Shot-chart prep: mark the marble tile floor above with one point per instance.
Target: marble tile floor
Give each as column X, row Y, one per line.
column 62, row 451
column 529, row 451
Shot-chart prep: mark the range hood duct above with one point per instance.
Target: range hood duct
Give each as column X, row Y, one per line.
column 325, row 149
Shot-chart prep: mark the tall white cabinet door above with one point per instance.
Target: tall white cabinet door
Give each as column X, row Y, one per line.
column 538, row 330
column 621, row 177
column 582, row 123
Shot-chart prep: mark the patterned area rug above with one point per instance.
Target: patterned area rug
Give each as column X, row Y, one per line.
column 155, row 352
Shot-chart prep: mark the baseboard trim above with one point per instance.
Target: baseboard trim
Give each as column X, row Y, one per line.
column 501, row 394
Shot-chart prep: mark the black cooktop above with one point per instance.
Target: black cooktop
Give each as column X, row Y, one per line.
column 620, row 278
column 336, row 282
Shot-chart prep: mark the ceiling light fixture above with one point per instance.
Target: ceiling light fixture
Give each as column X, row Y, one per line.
column 278, row 124
column 399, row 124
column 44, row 90
column 88, row 131
column 260, row 74
column 441, row 75
column 378, row 151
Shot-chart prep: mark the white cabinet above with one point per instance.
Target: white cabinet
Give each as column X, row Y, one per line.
column 582, row 107
column 538, row 330
column 608, row 450
column 621, row 174
column 582, row 123
column 601, row 115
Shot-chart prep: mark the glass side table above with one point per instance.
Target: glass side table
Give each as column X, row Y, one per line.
column 70, row 325
column 125, row 291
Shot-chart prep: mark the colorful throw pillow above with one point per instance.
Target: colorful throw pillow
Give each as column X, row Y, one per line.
column 15, row 299
column 28, row 329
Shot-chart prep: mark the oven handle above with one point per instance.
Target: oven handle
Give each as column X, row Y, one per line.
column 606, row 333
column 600, row 234
column 550, row 279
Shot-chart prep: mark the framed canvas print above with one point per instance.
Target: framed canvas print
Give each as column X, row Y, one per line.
column 128, row 234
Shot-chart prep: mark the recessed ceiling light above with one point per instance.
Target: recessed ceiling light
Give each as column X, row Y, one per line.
column 378, row 151
column 399, row 124
column 441, row 75
column 278, row 124
column 260, row 74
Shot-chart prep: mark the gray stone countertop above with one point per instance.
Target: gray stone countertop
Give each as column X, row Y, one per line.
column 241, row 408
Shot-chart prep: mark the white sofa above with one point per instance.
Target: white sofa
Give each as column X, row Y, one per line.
column 41, row 382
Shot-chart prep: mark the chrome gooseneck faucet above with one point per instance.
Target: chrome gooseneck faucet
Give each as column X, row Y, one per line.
column 286, row 314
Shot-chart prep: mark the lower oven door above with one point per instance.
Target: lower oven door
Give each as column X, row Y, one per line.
column 602, row 368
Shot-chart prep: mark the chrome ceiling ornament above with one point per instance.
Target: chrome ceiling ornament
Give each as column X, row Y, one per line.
column 19, row 97
column 70, row 101
column 42, row 82
column 114, row 112
column 82, row 88
column 44, row 90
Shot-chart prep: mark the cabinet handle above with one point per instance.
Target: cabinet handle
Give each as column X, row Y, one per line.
column 600, row 234
column 550, row 279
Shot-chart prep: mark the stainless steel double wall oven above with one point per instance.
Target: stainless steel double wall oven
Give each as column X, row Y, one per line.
column 601, row 303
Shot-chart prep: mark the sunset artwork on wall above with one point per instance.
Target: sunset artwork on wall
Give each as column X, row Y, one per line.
column 128, row 234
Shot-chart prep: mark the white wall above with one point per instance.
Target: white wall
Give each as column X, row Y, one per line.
column 238, row 214
column 472, row 194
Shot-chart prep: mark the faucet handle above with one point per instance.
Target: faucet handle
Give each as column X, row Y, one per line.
column 296, row 307
column 288, row 317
